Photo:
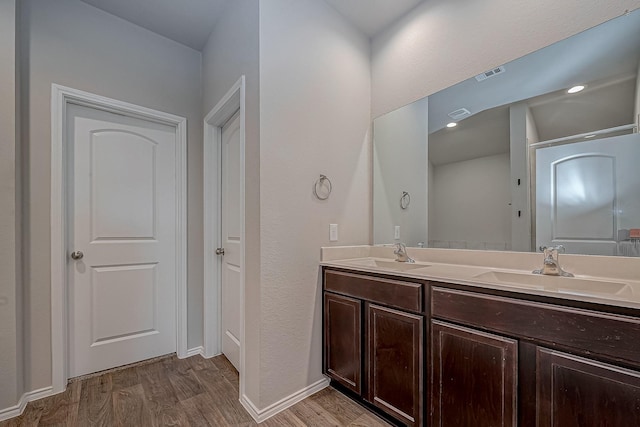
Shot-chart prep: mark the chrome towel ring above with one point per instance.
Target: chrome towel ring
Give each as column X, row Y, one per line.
column 322, row 188
column 405, row 200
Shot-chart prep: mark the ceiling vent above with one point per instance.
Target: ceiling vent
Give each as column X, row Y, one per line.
column 460, row 114
column 491, row 73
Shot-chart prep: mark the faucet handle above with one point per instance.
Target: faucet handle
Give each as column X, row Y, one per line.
column 557, row 248
column 400, row 248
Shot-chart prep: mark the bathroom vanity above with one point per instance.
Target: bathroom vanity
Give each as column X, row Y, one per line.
column 458, row 345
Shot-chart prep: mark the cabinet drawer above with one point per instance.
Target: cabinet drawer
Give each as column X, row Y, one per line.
column 611, row 336
column 405, row 295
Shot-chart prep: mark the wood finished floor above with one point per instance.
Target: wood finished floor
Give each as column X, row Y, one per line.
column 175, row 392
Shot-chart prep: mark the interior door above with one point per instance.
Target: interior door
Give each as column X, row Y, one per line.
column 586, row 192
column 122, row 225
column 231, row 240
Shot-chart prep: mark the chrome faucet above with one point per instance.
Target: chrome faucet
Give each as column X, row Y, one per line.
column 401, row 254
column 551, row 265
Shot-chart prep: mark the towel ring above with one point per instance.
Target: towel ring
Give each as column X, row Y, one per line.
column 405, row 200
column 322, row 182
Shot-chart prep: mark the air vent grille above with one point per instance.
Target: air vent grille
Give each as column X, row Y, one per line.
column 460, row 114
column 491, row 73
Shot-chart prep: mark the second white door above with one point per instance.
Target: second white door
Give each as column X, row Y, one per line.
column 231, row 240
column 586, row 192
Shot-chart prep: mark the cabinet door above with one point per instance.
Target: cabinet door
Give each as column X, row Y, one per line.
column 395, row 363
column 343, row 340
column 474, row 381
column 574, row 391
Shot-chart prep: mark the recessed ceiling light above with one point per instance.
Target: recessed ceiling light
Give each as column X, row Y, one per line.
column 576, row 89
column 452, row 125
column 590, row 136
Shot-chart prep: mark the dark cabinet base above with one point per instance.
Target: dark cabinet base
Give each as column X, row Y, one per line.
column 422, row 353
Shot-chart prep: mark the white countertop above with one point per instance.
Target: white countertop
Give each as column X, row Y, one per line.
column 614, row 291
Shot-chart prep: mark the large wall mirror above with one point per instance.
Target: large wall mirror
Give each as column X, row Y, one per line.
column 542, row 150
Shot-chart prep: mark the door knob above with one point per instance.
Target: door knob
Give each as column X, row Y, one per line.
column 220, row 251
column 76, row 255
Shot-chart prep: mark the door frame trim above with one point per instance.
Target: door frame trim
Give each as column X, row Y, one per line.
column 61, row 98
column 230, row 103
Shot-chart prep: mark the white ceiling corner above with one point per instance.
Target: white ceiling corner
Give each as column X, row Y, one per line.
column 186, row 21
column 373, row 16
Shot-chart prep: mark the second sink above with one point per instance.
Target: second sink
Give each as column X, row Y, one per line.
column 567, row 285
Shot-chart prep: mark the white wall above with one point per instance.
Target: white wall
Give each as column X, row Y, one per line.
column 10, row 289
column 232, row 51
column 443, row 42
column 521, row 127
column 400, row 162
column 314, row 118
column 77, row 45
column 471, row 204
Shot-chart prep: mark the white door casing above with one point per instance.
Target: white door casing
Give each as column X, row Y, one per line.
column 233, row 101
column 122, row 219
column 586, row 192
column 61, row 100
column 231, row 240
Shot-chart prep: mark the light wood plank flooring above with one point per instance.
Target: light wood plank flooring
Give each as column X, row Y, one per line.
column 174, row 392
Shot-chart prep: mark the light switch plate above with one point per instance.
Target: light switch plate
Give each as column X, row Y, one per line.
column 396, row 232
column 333, row 232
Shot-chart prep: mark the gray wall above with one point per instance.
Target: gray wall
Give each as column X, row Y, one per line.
column 400, row 163
column 314, row 118
column 77, row 45
column 10, row 295
column 233, row 51
column 470, row 207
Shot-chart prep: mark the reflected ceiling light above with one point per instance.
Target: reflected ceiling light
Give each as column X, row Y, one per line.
column 590, row 136
column 576, row 89
column 452, row 125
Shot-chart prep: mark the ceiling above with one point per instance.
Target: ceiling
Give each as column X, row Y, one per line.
column 603, row 105
column 603, row 52
column 483, row 134
column 190, row 21
column 373, row 16
column 186, row 21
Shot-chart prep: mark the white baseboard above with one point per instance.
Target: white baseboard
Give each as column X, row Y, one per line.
column 30, row 396
column 260, row 415
column 195, row 351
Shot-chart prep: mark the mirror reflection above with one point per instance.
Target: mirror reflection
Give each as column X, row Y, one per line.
column 538, row 151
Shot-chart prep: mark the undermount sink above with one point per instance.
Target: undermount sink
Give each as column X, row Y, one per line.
column 388, row 265
column 566, row 285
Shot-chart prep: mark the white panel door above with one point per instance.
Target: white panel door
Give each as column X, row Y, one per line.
column 586, row 192
column 231, row 240
column 122, row 217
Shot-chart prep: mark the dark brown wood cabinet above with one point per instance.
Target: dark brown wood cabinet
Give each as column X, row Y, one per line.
column 395, row 362
column 383, row 361
column 479, row 357
column 577, row 392
column 474, row 381
column 343, row 340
